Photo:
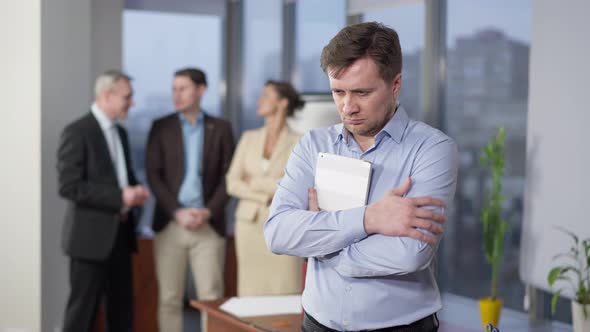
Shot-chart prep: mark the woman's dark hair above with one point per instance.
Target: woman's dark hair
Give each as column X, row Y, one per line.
column 286, row 90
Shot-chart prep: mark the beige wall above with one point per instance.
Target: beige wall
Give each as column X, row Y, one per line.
column 20, row 169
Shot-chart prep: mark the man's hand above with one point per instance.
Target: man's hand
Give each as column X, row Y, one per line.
column 247, row 178
column 312, row 196
column 187, row 218
column 192, row 218
column 203, row 216
column 142, row 194
column 134, row 196
column 395, row 215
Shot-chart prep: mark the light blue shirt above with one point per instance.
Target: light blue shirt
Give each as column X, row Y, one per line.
column 191, row 190
column 355, row 281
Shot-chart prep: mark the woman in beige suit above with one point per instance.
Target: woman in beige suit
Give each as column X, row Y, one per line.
column 257, row 166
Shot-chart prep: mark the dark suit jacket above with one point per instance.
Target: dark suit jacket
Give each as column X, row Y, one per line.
column 88, row 180
column 165, row 168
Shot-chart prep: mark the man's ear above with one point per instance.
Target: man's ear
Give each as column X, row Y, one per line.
column 397, row 85
column 202, row 88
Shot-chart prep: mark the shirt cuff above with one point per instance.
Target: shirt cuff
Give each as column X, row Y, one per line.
column 354, row 223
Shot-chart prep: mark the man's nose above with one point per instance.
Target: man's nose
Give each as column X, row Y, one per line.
column 349, row 105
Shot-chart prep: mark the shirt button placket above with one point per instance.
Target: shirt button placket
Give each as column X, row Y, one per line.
column 348, row 302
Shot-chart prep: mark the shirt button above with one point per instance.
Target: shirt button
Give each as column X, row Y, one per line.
column 348, row 288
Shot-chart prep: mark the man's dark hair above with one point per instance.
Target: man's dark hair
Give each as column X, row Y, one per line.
column 286, row 90
column 374, row 40
column 196, row 75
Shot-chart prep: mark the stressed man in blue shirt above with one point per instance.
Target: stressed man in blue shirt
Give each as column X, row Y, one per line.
column 370, row 268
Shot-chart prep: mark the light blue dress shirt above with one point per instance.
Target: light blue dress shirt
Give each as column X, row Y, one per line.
column 191, row 190
column 355, row 281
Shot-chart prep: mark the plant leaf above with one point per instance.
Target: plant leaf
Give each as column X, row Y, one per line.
column 574, row 236
column 553, row 275
column 554, row 301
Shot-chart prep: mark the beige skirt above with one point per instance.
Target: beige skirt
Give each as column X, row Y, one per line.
column 261, row 272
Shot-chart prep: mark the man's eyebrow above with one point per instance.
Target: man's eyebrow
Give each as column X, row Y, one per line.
column 362, row 90
column 354, row 90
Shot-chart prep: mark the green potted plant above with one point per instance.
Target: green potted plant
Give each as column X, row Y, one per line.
column 575, row 273
column 494, row 227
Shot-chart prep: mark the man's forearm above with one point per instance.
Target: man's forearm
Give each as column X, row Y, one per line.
column 379, row 255
column 304, row 233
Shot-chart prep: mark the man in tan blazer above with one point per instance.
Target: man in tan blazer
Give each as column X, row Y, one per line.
column 188, row 154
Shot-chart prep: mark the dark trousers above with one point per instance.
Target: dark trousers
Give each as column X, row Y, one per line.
column 427, row 324
column 91, row 280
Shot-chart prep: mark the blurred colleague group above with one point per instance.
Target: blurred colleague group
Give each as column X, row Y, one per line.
column 191, row 171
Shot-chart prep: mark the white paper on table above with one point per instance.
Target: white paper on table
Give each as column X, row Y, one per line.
column 250, row 306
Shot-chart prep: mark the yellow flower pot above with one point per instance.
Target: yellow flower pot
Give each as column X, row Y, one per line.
column 490, row 311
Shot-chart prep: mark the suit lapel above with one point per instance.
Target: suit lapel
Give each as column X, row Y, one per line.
column 207, row 141
column 177, row 143
column 259, row 142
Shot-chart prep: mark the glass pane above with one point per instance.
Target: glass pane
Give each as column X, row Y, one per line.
column 316, row 23
column 408, row 21
column 155, row 45
column 487, row 86
column 262, row 48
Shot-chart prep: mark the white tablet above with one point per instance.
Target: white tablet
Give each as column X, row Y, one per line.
column 341, row 182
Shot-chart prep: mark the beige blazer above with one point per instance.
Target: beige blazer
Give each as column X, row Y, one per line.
column 255, row 197
column 260, row 272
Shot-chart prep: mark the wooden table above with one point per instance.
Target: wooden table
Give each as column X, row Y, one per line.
column 221, row 321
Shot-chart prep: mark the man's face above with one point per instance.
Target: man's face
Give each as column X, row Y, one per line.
column 120, row 99
column 186, row 94
column 364, row 100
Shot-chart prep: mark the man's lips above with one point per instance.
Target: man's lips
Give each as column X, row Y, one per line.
column 354, row 121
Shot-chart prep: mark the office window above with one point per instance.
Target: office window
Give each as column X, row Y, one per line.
column 262, row 50
column 408, row 21
column 316, row 23
column 155, row 45
column 487, row 84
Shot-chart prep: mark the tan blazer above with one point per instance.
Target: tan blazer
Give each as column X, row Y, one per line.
column 260, row 272
column 255, row 197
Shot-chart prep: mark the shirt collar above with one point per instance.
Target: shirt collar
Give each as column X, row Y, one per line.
column 184, row 120
column 395, row 128
column 103, row 120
